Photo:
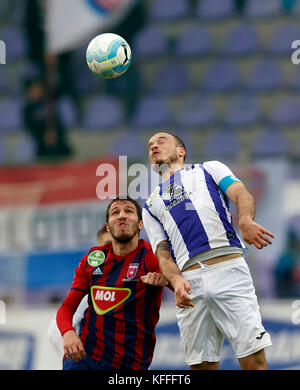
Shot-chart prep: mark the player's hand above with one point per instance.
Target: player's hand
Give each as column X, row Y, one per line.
column 73, row 347
column 154, row 279
column 182, row 290
column 253, row 233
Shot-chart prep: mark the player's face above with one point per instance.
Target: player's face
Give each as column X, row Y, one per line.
column 162, row 149
column 123, row 222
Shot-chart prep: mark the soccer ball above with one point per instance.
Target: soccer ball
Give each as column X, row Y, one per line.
column 108, row 55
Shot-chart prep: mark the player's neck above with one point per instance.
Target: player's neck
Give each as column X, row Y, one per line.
column 167, row 173
column 123, row 248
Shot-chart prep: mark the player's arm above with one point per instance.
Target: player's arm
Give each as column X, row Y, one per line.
column 72, row 345
column 168, row 267
column 252, row 232
column 172, row 273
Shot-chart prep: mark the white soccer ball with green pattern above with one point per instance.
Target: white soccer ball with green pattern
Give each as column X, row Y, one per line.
column 108, row 55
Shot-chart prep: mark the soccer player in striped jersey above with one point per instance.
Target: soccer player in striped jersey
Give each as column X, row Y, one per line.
column 189, row 224
column 124, row 287
column 103, row 238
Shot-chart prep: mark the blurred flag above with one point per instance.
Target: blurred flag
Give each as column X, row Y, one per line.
column 69, row 23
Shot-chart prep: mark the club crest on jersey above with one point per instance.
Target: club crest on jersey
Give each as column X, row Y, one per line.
column 95, row 258
column 131, row 272
column 174, row 194
column 106, row 298
column 172, row 191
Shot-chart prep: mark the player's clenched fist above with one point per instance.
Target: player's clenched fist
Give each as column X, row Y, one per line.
column 73, row 347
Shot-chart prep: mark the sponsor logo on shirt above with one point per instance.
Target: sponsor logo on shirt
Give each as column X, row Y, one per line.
column 106, row 299
column 96, row 258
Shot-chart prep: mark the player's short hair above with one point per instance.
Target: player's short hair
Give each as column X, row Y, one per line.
column 134, row 202
column 180, row 143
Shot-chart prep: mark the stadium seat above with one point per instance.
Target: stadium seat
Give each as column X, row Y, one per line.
column 196, row 111
column 269, row 143
column 172, row 77
column 127, row 144
column 243, row 111
column 2, row 81
column 67, row 111
column 10, row 115
column 87, row 82
column 14, row 42
column 262, row 9
column 222, row 76
column 221, row 143
column 2, row 149
column 168, row 10
column 103, row 113
column 295, row 80
column 286, row 112
column 194, row 41
column 151, row 111
column 282, row 38
column 150, row 43
column 25, row 151
column 215, row 9
column 265, row 75
column 241, row 40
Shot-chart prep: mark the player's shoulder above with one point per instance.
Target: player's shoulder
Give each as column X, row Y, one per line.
column 145, row 244
column 154, row 194
column 150, row 257
column 212, row 163
column 149, row 252
column 97, row 251
column 96, row 255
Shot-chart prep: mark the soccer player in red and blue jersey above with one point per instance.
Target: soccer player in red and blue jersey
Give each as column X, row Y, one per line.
column 124, row 287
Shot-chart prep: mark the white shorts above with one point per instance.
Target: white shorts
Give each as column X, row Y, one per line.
column 225, row 307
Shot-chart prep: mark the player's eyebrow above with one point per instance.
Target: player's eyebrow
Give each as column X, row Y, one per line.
column 116, row 207
column 158, row 138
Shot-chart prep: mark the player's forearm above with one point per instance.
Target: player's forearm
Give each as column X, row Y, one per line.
column 64, row 316
column 245, row 207
column 167, row 265
column 244, row 202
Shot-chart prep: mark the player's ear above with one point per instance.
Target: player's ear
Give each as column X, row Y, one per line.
column 140, row 225
column 181, row 151
column 107, row 228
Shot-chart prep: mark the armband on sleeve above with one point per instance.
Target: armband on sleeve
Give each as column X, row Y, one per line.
column 227, row 181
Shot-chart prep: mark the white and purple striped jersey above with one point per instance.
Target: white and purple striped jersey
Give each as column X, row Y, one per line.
column 191, row 211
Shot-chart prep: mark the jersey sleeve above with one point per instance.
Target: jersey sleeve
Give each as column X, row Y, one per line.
column 221, row 173
column 79, row 289
column 154, row 228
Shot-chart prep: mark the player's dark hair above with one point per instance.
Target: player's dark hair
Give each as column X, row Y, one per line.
column 134, row 202
column 180, row 143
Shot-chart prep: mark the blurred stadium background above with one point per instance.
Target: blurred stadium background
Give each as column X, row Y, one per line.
column 217, row 73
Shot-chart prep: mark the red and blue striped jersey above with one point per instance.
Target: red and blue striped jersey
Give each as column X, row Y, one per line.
column 118, row 325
